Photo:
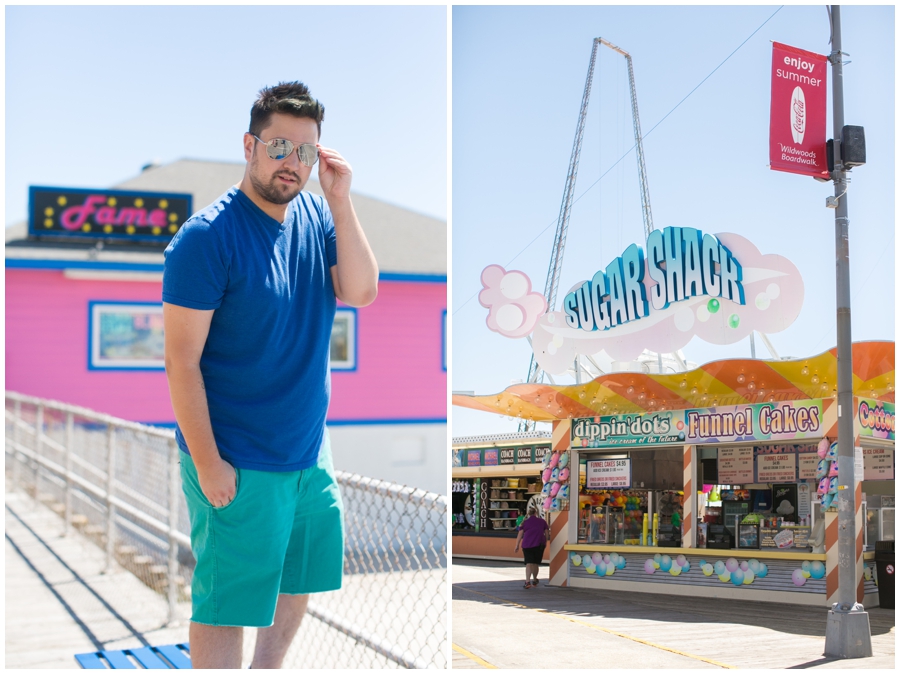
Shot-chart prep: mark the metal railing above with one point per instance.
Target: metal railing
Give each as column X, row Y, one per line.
column 118, row 483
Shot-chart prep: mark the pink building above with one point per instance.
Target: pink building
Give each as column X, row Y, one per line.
column 83, row 326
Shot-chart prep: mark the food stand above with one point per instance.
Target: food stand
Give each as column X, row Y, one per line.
column 643, row 441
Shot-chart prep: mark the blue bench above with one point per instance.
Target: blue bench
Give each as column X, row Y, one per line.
column 174, row 656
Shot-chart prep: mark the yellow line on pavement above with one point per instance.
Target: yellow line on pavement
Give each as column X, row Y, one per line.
column 472, row 656
column 602, row 629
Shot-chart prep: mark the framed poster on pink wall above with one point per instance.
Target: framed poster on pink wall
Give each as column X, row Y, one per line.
column 125, row 336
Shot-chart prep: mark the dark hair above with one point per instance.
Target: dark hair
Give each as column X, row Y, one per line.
column 290, row 98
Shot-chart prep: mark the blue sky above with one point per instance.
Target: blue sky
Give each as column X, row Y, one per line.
column 518, row 78
column 94, row 93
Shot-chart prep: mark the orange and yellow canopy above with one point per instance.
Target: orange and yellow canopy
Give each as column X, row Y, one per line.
column 719, row 383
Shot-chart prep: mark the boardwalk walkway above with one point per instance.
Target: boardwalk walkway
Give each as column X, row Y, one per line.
column 58, row 600
column 497, row 623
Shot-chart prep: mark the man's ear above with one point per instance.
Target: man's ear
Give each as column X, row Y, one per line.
column 249, row 141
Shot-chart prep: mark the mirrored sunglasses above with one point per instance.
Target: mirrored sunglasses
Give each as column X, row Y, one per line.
column 281, row 148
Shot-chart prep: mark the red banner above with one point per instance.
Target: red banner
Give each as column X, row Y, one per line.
column 797, row 116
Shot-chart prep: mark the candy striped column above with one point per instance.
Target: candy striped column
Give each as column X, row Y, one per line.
column 831, row 541
column 688, row 528
column 559, row 536
column 831, row 556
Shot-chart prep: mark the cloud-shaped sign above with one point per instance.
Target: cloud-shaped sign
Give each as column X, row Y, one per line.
column 514, row 309
column 773, row 292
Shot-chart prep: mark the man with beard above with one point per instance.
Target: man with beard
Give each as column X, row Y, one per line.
column 249, row 294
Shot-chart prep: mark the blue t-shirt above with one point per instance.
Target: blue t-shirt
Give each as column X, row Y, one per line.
column 266, row 360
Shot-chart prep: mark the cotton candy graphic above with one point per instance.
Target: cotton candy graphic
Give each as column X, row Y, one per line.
column 513, row 308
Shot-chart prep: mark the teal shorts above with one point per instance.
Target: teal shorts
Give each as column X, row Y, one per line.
column 282, row 534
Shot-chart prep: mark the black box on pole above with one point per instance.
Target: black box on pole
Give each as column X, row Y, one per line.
column 853, row 146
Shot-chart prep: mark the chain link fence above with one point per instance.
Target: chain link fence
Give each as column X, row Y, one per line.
column 118, row 484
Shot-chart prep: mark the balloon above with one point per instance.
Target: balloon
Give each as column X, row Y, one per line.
column 732, row 564
column 720, row 567
column 744, row 566
column 681, row 560
column 817, row 569
column 805, row 573
column 725, row 577
column 649, row 567
column 763, row 570
column 590, row 569
column 753, row 564
column 675, row 570
column 610, row 570
column 686, row 567
column 601, row 569
column 748, row 577
column 606, row 559
column 805, row 565
column 596, row 558
column 576, row 560
column 665, row 563
column 620, row 563
column 657, row 557
column 737, row 577
column 707, row 569
column 798, row 578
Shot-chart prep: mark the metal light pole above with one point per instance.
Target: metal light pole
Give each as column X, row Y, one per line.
column 847, row 633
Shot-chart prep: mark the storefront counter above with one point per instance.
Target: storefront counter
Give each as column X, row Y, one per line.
column 493, row 545
column 700, row 553
column 788, row 577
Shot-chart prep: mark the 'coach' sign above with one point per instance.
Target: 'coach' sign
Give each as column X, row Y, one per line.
column 106, row 214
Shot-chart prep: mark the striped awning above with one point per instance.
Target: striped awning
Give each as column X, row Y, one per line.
column 723, row 382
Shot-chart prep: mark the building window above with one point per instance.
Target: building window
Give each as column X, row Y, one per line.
column 126, row 336
column 343, row 339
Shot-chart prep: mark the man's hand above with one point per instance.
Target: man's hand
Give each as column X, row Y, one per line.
column 335, row 175
column 218, row 482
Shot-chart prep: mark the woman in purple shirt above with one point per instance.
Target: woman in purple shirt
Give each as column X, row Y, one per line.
column 533, row 535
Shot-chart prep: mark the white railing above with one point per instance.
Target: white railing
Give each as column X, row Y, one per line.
column 118, row 483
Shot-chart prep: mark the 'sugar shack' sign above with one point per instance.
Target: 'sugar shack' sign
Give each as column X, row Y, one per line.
column 687, row 283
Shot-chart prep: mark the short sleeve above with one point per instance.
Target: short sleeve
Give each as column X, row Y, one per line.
column 195, row 274
column 330, row 240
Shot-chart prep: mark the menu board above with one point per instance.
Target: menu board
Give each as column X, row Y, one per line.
column 735, row 465
column 803, row 501
column 784, row 538
column 609, row 474
column 807, row 464
column 776, row 468
column 878, row 463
